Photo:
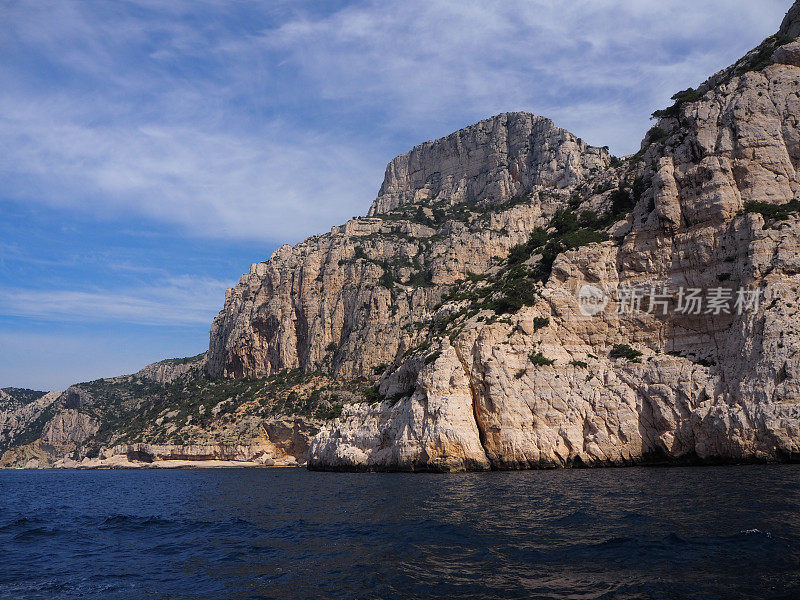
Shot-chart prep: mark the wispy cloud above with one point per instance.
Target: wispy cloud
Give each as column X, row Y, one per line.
column 161, row 116
column 181, row 301
column 593, row 66
column 274, row 121
column 213, row 183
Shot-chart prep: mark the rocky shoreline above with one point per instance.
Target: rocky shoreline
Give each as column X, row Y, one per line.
column 446, row 332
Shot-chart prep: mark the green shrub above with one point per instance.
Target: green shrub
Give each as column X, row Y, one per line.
column 380, row 369
column 579, row 363
column 779, row 212
column 705, row 362
column 621, row 202
column 420, row 279
column 590, row 220
column 583, row 237
column 564, row 220
column 625, row 351
column 332, row 412
column 372, row 395
column 432, row 357
column 420, row 216
column 522, row 252
column 540, row 322
column 538, row 359
column 442, row 324
column 514, row 290
column 763, row 57
column 639, row 187
column 549, row 254
column 518, row 254
column 602, row 188
column 387, row 280
column 538, row 238
column 656, row 135
column 687, row 95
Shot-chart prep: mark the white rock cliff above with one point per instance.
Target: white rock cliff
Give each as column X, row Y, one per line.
column 458, row 297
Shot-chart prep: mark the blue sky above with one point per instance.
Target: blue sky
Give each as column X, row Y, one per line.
column 150, row 151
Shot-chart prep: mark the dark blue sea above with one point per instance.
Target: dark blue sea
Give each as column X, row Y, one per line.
column 682, row 533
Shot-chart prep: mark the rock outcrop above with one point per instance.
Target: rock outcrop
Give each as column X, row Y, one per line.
column 514, row 299
column 170, row 370
column 708, row 387
column 496, row 159
column 347, row 301
column 18, row 409
column 168, row 415
column 280, row 442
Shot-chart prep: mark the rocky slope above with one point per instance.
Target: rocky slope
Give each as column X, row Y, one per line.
column 16, row 407
column 170, row 414
column 349, row 301
column 444, row 330
column 549, row 386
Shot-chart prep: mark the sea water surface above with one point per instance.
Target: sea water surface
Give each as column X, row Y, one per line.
column 683, row 533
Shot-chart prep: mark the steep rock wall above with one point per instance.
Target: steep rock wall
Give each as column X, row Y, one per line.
column 707, row 387
column 346, row 301
column 495, row 159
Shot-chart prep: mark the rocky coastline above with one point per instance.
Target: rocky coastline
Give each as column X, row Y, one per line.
column 448, row 329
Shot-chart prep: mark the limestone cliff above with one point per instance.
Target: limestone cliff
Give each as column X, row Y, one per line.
column 169, row 414
column 449, row 329
column 18, row 407
column 496, row 159
column 349, row 300
column 714, row 193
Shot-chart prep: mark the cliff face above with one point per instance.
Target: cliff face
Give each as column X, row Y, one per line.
column 17, row 407
column 349, row 300
column 168, row 414
column 491, row 298
column 493, row 160
column 548, row 387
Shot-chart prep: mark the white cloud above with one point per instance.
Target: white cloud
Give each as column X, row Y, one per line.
column 612, row 61
column 213, row 183
column 281, row 132
column 176, row 301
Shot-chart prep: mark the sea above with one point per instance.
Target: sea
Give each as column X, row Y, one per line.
column 667, row 533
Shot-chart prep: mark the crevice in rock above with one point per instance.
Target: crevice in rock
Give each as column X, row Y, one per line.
column 473, row 392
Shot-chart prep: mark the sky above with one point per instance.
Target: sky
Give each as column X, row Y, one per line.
column 150, row 150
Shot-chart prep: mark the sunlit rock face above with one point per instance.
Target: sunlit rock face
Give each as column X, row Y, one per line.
column 492, row 160
column 463, row 297
column 348, row 300
column 719, row 385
